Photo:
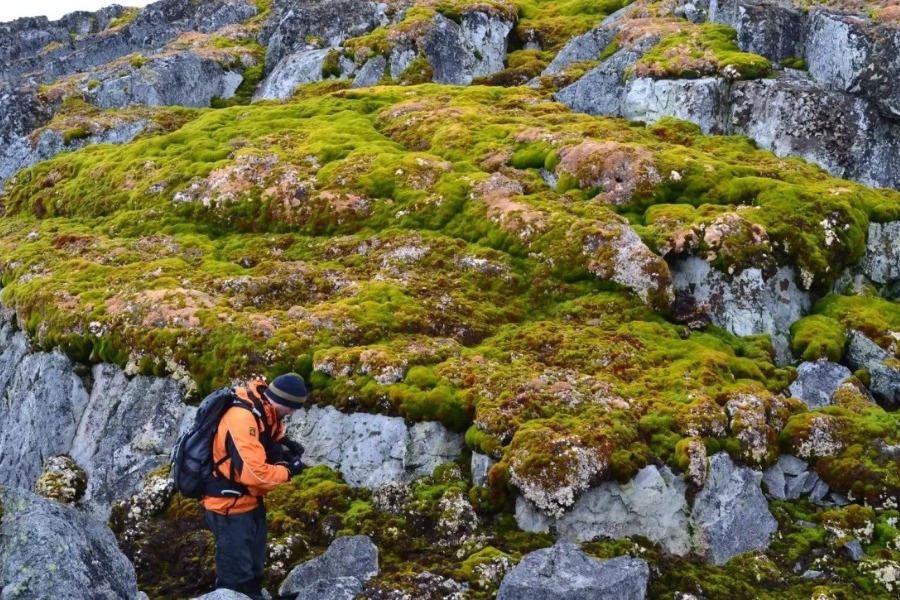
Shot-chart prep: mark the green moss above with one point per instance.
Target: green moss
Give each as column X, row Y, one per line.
column 125, row 18
column 818, row 336
column 795, row 63
column 75, row 134
column 700, row 51
column 875, row 317
column 331, row 66
column 138, row 61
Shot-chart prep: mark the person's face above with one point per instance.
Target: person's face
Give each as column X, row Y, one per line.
column 283, row 411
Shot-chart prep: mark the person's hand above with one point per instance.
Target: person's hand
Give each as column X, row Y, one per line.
column 294, row 448
column 295, row 467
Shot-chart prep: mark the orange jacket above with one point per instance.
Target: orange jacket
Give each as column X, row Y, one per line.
column 238, row 442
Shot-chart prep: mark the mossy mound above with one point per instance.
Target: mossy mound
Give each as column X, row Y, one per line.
column 403, row 249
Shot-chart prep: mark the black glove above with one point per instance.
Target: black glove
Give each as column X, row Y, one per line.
column 295, row 450
column 295, row 467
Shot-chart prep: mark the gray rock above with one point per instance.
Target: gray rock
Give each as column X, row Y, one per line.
column 370, row 450
column 370, row 73
column 817, row 381
column 28, row 150
column 39, row 414
column 818, row 493
column 486, row 35
column 342, row 588
column 600, row 90
column 791, row 465
column 348, row 557
column 700, row 101
column 530, row 518
column 747, row 303
column 787, row 115
column 587, row 46
column 155, row 26
column 292, row 23
column 182, row 79
column 481, row 464
column 293, row 70
column 565, row 572
column 48, row 550
column 882, row 261
column 773, row 29
column 128, row 430
column 863, row 353
column 885, row 384
column 838, row 49
column 730, row 514
column 795, row 486
column 812, row 575
column 451, row 60
column 652, row 505
column 854, row 550
column 222, row 594
column 400, row 60
column 774, row 479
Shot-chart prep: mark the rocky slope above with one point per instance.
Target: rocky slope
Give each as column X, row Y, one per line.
column 524, row 321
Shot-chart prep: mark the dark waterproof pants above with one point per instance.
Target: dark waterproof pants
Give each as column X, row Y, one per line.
column 240, row 550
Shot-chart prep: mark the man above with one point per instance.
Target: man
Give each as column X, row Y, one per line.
column 250, row 462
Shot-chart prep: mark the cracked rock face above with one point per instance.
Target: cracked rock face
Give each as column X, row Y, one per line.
column 292, row 23
column 123, row 435
column 371, row 450
column 39, row 414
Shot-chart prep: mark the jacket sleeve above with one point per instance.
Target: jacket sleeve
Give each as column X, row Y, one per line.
column 248, row 456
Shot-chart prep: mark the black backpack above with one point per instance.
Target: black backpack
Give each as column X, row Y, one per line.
column 192, row 461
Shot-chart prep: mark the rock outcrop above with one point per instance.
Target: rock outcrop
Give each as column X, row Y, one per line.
column 48, row 550
column 729, row 515
column 565, row 572
column 849, row 90
column 370, row 450
column 884, row 372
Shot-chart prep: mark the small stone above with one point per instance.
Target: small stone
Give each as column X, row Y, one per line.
column 854, row 550
column 811, row 575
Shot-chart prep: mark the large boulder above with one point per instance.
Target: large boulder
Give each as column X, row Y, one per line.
column 745, row 304
column 128, row 430
column 730, row 513
column 703, row 102
column 48, row 550
column 370, row 450
column 39, row 414
column 347, row 564
column 564, row 572
column 817, row 381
